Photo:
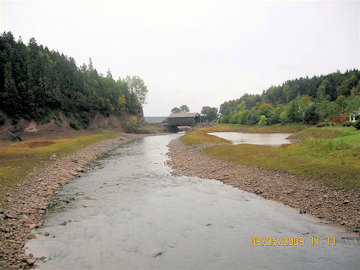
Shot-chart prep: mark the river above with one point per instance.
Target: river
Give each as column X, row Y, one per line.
column 131, row 213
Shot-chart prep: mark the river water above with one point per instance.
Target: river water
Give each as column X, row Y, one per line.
column 272, row 139
column 130, row 213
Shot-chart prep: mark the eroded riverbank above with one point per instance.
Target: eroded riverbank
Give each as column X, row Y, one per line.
column 32, row 197
column 339, row 206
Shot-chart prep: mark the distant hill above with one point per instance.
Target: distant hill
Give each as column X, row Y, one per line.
column 305, row 100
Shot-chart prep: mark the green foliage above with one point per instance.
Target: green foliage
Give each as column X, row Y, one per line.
column 352, row 104
column 262, row 120
column 347, row 124
column 322, row 124
column 137, row 88
column 303, row 100
column 328, row 110
column 311, row 116
column 321, row 94
column 210, row 112
column 283, row 118
column 35, row 81
column 2, row 120
column 182, row 109
column 175, row 110
column 357, row 124
column 74, row 126
column 342, row 90
column 132, row 125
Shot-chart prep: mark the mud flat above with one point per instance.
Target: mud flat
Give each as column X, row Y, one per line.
column 310, row 196
column 32, row 198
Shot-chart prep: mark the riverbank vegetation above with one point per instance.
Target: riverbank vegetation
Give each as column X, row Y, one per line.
column 19, row 159
column 330, row 154
column 328, row 99
column 40, row 84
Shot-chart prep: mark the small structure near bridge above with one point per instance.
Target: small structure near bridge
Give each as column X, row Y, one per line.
column 354, row 116
column 183, row 119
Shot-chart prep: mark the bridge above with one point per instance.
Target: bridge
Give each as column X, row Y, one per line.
column 184, row 119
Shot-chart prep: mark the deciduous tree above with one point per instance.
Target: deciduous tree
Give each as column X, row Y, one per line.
column 137, row 87
column 210, row 112
column 184, row 108
column 175, row 110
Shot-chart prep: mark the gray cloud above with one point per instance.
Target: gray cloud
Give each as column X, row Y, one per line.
column 196, row 52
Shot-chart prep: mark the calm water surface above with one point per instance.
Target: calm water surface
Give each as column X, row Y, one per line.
column 154, row 119
column 272, row 139
column 138, row 216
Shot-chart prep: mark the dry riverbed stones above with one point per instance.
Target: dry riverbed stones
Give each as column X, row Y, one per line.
column 310, row 196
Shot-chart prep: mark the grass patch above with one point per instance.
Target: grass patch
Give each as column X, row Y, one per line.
column 325, row 133
column 19, row 159
column 200, row 136
column 353, row 140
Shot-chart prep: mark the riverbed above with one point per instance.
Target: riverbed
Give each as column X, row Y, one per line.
column 131, row 213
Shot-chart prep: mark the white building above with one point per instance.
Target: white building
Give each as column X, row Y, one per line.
column 354, row 116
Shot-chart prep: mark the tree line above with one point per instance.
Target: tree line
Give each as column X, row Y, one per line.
column 305, row 100
column 36, row 83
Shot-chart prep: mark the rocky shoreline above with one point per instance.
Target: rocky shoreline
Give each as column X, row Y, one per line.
column 309, row 196
column 29, row 202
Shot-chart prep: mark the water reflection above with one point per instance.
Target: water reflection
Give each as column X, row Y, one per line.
column 271, row 139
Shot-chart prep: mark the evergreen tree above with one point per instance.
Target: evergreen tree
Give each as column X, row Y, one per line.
column 36, row 82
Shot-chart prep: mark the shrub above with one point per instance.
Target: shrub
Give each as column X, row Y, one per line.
column 262, row 120
column 322, row 124
column 74, row 125
column 347, row 124
column 132, row 125
column 46, row 120
column 357, row 124
column 2, row 120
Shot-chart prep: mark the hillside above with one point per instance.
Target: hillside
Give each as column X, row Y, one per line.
column 41, row 88
column 305, row 100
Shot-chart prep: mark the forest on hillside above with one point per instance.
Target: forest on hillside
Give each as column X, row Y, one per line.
column 329, row 98
column 38, row 83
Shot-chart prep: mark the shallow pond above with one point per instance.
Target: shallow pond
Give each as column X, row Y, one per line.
column 272, row 139
column 130, row 213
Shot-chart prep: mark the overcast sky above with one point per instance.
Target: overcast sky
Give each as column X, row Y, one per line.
column 199, row 53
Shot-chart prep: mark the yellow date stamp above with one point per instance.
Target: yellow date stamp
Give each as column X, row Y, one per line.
column 291, row 241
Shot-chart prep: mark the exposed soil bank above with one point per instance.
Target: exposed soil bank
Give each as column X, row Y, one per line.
column 310, row 196
column 32, row 197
